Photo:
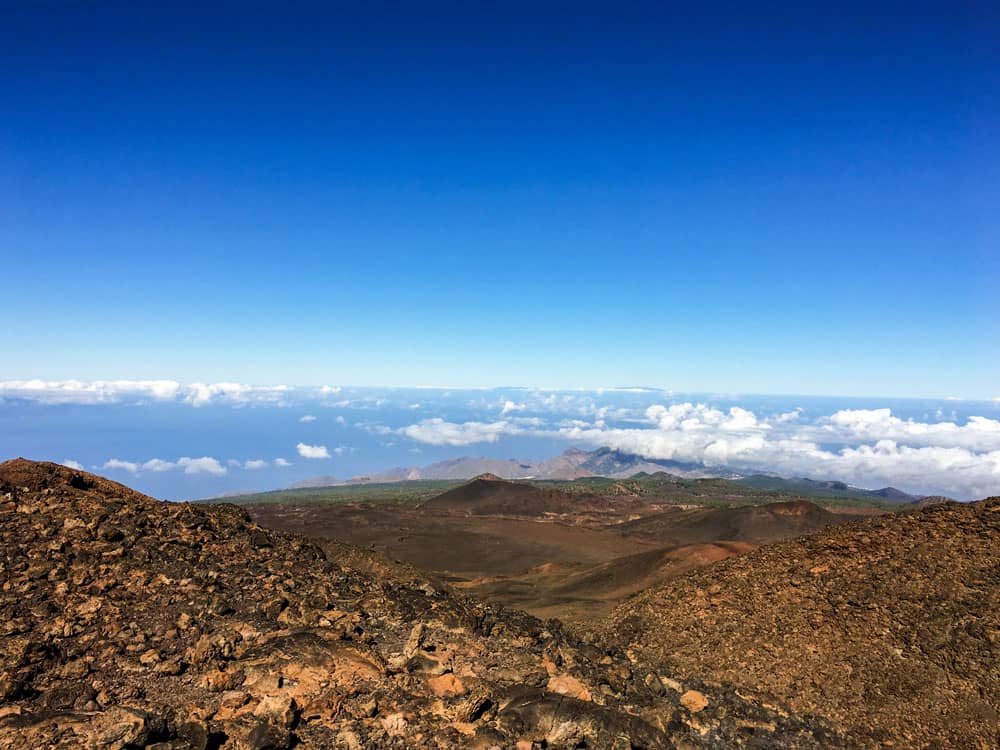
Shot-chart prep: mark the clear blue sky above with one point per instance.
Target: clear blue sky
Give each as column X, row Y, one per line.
column 573, row 194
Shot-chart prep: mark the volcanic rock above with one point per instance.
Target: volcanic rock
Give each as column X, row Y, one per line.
column 313, row 649
column 887, row 628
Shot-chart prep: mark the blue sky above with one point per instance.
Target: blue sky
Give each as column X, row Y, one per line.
column 797, row 201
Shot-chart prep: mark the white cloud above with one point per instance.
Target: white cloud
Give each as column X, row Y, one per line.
column 339, row 404
column 851, row 425
column 307, row 418
column 71, row 464
column 96, row 392
column 630, row 390
column 509, row 406
column 937, row 450
column 117, row 464
column 742, row 419
column 581, row 423
column 202, row 394
column 688, row 416
column 528, row 421
column 142, row 391
column 251, row 465
column 868, row 448
column 965, row 462
column 439, row 432
column 203, row 465
column 312, row 451
column 789, row 416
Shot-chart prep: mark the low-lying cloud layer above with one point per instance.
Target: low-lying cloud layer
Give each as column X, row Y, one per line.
column 187, row 465
column 864, row 447
column 149, row 391
column 437, row 431
column 203, row 465
column 96, row 392
column 942, row 446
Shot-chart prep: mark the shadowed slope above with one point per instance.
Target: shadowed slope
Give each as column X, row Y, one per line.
column 757, row 524
column 585, row 594
column 491, row 496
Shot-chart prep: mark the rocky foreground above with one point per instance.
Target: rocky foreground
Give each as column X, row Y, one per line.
column 887, row 628
column 130, row 623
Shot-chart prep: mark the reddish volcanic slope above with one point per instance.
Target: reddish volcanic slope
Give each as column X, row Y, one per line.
column 889, row 628
column 129, row 623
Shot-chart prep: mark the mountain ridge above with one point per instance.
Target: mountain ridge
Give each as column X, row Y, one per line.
column 575, row 463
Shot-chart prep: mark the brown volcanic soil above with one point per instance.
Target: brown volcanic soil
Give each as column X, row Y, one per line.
column 888, row 627
column 444, row 542
column 491, row 496
column 584, row 594
column 758, row 524
column 551, row 553
column 130, row 623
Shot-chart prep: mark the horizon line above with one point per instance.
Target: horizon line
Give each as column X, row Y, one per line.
column 29, row 384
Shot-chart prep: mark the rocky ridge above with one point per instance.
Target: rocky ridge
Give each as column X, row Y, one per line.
column 130, row 623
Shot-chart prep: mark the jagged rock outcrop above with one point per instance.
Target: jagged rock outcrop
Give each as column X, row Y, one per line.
column 130, row 623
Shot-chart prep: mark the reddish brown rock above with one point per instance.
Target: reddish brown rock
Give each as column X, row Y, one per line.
column 888, row 628
column 694, row 701
column 135, row 623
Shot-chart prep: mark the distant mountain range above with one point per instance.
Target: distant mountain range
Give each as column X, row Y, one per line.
column 571, row 464
column 605, row 462
column 816, row 488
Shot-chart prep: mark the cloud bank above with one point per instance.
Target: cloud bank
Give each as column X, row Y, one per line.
column 202, row 394
column 922, row 447
column 55, row 392
column 205, row 465
column 870, row 448
column 439, row 432
column 96, row 392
